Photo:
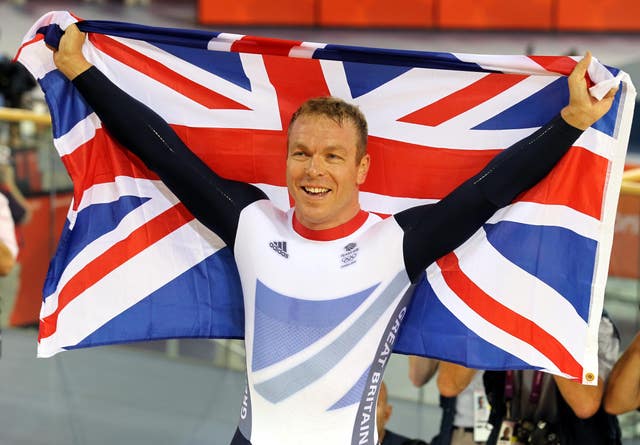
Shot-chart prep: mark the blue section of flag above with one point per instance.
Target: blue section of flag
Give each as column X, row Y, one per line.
column 363, row 78
column 192, row 305
column 354, row 394
column 66, row 106
column 91, row 223
column 192, row 38
column 454, row 342
column 532, row 112
column 396, row 57
column 557, row 256
column 607, row 124
column 221, row 63
column 285, row 325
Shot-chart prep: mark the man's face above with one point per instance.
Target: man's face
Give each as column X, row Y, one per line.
column 322, row 173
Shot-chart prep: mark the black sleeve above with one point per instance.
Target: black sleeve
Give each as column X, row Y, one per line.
column 434, row 230
column 214, row 201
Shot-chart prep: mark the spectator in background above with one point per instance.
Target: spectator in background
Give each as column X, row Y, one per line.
column 18, row 212
column 383, row 414
column 8, row 243
column 623, row 388
column 543, row 409
column 457, row 398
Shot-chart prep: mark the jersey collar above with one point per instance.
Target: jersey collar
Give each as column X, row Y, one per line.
column 334, row 233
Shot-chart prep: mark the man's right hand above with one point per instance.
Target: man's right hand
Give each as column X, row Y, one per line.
column 68, row 57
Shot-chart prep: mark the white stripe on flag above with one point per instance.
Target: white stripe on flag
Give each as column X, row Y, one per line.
column 522, row 292
column 79, row 318
column 80, row 134
column 549, row 215
column 481, row 327
column 223, row 42
column 109, row 192
column 261, row 100
column 305, row 50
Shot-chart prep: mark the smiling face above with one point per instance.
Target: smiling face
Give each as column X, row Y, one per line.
column 323, row 170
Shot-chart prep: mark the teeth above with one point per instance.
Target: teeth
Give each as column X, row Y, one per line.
column 316, row 189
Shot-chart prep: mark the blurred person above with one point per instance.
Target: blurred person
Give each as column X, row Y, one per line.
column 383, row 414
column 8, row 252
column 540, row 408
column 623, row 388
column 462, row 400
column 15, row 81
column 20, row 212
column 8, row 243
column 326, row 164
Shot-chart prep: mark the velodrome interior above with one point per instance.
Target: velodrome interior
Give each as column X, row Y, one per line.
column 189, row 392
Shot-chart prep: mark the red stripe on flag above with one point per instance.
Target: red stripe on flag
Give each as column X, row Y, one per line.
column 559, row 64
column 37, row 38
column 259, row 156
column 99, row 161
column 139, row 240
column 434, row 172
column 463, row 100
column 504, row 318
column 577, row 182
column 264, row 45
column 162, row 74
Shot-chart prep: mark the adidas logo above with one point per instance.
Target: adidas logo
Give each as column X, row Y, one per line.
column 280, row 247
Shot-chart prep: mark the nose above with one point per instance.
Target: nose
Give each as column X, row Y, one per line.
column 314, row 166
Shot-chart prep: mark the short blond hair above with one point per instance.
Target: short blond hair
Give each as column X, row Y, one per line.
column 339, row 111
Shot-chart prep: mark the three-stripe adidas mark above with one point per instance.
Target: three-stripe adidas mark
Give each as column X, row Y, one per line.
column 280, row 247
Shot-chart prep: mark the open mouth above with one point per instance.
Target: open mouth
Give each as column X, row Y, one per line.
column 316, row 191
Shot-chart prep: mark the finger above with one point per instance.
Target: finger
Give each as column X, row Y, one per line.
column 612, row 92
column 580, row 70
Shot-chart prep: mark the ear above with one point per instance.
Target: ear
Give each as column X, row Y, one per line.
column 363, row 169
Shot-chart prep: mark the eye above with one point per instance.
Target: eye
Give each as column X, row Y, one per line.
column 297, row 154
column 333, row 157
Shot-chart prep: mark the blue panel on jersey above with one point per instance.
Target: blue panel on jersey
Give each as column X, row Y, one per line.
column 354, row 395
column 218, row 308
column 363, row 78
column 534, row 111
column 286, row 325
column 224, row 64
column 91, row 223
column 559, row 257
column 454, row 342
column 66, row 105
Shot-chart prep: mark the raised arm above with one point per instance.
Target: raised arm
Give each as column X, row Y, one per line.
column 214, row 201
column 434, row 230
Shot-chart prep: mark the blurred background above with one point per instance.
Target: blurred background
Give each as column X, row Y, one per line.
column 189, row 391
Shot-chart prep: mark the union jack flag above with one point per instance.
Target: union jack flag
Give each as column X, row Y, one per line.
column 526, row 291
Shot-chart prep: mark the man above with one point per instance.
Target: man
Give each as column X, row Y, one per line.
column 623, row 387
column 383, row 414
column 325, row 284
